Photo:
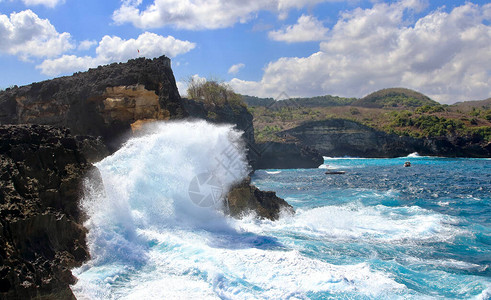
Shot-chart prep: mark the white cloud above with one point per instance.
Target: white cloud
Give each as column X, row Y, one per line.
column 307, row 29
column 48, row 3
column 115, row 49
column 234, row 69
column 201, row 14
column 26, row 35
column 86, row 45
column 444, row 55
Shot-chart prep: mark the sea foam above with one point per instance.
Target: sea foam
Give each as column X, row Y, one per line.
column 148, row 239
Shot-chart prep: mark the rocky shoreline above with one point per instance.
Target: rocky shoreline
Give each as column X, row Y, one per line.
column 43, row 165
column 41, row 236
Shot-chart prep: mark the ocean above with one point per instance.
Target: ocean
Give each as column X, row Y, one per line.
column 379, row 231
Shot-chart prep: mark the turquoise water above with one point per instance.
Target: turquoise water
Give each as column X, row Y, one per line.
column 427, row 227
column 380, row 231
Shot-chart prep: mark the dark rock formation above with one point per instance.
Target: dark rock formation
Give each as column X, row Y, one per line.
column 341, row 137
column 101, row 102
column 245, row 197
column 41, row 238
column 275, row 155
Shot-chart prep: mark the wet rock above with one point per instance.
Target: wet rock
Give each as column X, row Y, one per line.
column 245, row 197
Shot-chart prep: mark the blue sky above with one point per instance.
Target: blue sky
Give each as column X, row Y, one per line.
column 263, row 48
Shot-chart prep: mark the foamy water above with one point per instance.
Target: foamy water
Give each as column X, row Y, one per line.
column 151, row 238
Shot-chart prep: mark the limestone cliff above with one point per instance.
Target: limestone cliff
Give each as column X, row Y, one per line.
column 341, row 137
column 104, row 101
column 41, row 236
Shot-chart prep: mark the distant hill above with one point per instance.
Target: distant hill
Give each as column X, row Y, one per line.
column 468, row 105
column 394, row 97
column 319, row 101
column 256, row 101
column 386, row 98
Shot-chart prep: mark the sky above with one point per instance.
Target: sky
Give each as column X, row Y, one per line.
column 267, row 48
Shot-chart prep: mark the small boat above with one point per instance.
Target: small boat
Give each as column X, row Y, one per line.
column 335, row 172
column 407, row 164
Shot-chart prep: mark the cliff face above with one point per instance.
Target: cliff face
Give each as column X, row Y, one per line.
column 41, row 236
column 101, row 102
column 340, row 137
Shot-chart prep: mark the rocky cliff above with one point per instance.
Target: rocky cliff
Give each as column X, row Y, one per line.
column 41, row 236
column 104, row 101
column 341, row 137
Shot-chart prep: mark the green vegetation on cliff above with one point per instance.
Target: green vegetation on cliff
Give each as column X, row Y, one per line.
column 213, row 93
column 395, row 111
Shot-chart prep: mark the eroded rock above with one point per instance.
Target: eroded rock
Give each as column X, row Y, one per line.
column 41, row 236
column 245, row 197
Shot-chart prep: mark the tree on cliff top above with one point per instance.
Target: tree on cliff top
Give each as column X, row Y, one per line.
column 213, row 93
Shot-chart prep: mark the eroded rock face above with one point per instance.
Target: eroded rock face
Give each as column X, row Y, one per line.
column 100, row 102
column 339, row 137
column 41, row 236
column 133, row 102
column 244, row 198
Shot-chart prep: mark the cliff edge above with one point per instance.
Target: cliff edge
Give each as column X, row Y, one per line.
column 105, row 101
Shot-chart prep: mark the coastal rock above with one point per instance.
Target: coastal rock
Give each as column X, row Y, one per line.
column 41, row 236
column 340, row 137
column 245, row 197
column 456, row 146
column 100, row 102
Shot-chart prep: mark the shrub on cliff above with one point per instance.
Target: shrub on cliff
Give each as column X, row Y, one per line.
column 213, row 93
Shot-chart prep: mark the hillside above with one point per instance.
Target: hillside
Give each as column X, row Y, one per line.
column 319, row 101
column 399, row 112
column 394, row 97
column 470, row 105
